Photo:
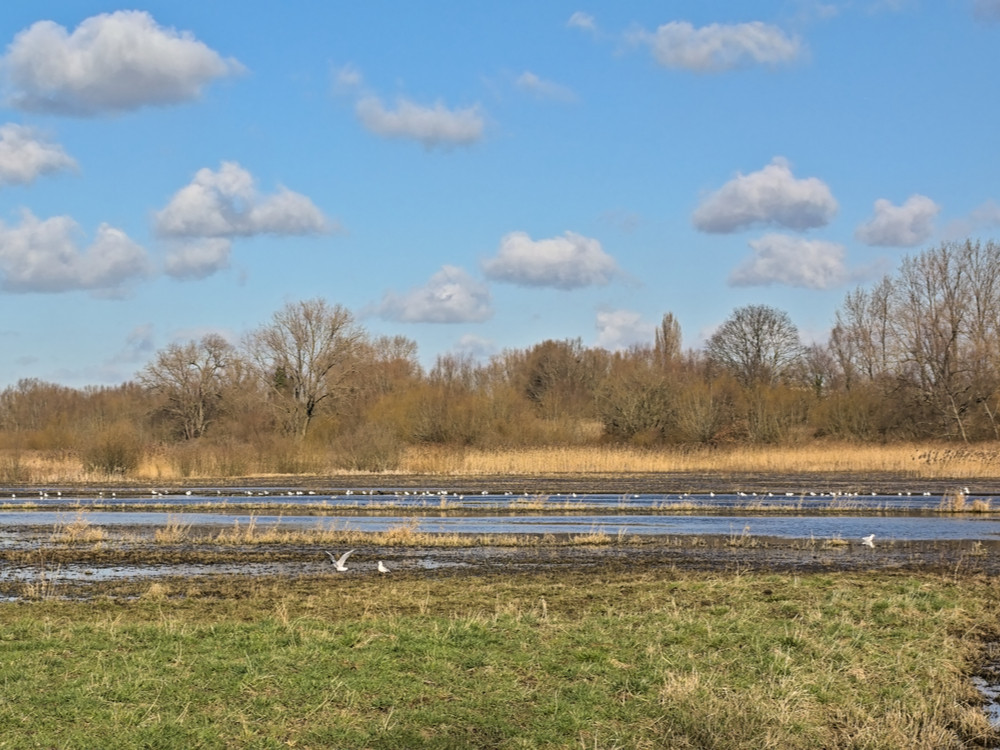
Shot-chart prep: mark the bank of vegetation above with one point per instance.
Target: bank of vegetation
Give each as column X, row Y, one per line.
column 909, row 377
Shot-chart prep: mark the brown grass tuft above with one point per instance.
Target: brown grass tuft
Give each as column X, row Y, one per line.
column 79, row 530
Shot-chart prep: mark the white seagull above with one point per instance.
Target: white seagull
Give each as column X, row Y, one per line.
column 382, row 568
column 868, row 541
column 339, row 562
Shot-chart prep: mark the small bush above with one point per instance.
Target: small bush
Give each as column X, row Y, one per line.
column 116, row 451
column 372, row 448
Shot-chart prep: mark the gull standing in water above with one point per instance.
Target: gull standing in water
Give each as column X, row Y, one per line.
column 868, row 541
column 382, row 568
column 339, row 562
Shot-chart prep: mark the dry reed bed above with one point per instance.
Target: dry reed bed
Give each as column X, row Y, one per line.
column 906, row 460
column 917, row 461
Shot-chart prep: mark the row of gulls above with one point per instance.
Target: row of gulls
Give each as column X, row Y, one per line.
column 340, row 563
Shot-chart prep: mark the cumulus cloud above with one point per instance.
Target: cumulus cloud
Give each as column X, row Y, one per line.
column 568, row 262
column 771, row 196
column 139, row 345
column 719, row 47
column 620, row 329
column 198, row 259
column 792, row 261
column 581, row 20
column 347, row 78
column 985, row 216
column 24, row 155
column 432, row 126
column 44, row 256
column 543, row 89
column 899, row 226
column 225, row 203
column 476, row 347
column 111, row 63
column 989, row 213
column 986, row 10
column 450, row 296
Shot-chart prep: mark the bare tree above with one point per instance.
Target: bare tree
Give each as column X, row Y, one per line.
column 668, row 340
column 757, row 344
column 863, row 340
column 558, row 378
column 932, row 334
column 635, row 403
column 305, row 357
column 188, row 381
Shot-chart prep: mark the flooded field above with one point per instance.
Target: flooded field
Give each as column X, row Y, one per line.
column 107, row 534
column 82, row 543
column 85, row 541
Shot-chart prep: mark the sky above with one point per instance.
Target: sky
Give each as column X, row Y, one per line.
column 477, row 177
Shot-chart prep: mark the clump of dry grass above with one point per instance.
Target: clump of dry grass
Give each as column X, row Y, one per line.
column 42, row 588
column 156, row 591
column 742, row 539
column 174, row 532
column 78, row 531
column 958, row 502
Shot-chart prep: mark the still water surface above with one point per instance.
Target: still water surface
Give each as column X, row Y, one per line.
column 807, row 515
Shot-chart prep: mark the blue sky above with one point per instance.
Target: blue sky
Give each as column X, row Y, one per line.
column 476, row 177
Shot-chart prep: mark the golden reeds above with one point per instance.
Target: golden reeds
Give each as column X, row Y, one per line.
column 916, row 461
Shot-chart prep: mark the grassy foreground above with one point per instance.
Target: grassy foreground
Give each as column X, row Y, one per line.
column 616, row 659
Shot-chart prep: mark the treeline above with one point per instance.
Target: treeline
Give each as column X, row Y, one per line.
column 914, row 357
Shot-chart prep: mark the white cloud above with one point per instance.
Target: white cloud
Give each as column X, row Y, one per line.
column 113, row 62
column 899, row 226
column 477, row 347
column 225, row 203
column 719, row 47
column 347, row 78
column 139, row 345
column 450, row 296
column 25, row 156
column 43, row 256
column 581, row 20
column 810, row 11
column 986, row 10
column 543, row 89
column 792, row 261
column 985, row 216
column 771, row 196
column 566, row 262
column 198, row 258
column 432, row 126
column 620, row 329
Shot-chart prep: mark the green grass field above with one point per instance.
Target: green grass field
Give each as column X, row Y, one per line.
column 611, row 659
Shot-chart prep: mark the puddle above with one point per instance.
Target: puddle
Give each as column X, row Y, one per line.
column 990, row 691
column 987, row 682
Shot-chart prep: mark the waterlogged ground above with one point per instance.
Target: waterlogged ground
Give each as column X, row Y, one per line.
column 82, row 542
column 88, row 539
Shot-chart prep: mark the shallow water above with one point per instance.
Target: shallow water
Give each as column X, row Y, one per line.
column 394, row 497
column 900, row 516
